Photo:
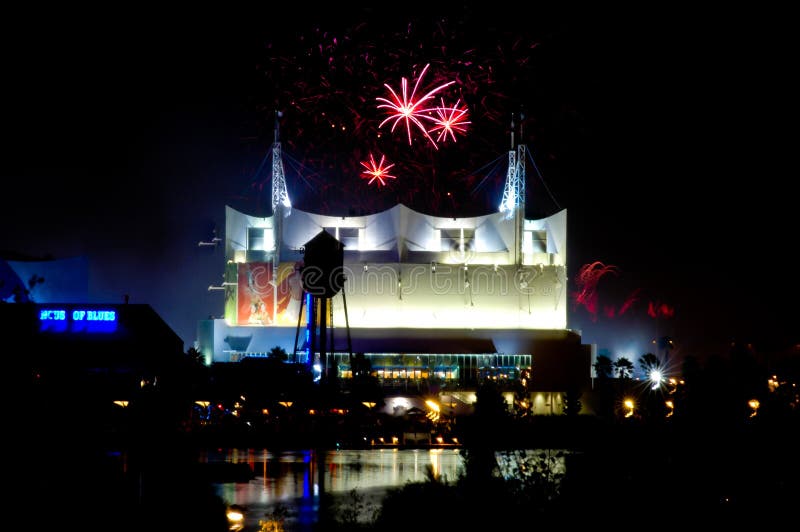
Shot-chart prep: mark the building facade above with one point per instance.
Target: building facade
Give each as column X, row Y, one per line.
column 434, row 304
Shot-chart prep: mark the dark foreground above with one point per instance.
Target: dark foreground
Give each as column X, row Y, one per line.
column 627, row 475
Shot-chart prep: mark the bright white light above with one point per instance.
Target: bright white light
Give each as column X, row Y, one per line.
column 399, row 402
column 656, row 378
column 508, row 205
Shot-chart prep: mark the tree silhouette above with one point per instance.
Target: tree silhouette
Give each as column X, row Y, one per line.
column 278, row 353
column 623, row 368
column 364, row 385
column 604, row 367
column 604, row 394
column 194, row 356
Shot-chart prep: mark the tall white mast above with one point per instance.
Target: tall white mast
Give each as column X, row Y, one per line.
column 514, row 190
column 280, row 194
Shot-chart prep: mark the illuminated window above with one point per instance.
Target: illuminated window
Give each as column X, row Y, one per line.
column 349, row 237
column 346, row 235
column 255, row 238
column 459, row 242
column 260, row 239
column 534, row 241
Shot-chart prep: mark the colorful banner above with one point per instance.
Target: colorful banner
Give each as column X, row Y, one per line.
column 264, row 302
column 255, row 297
column 290, row 294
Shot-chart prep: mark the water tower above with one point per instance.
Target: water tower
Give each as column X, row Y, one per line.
column 322, row 277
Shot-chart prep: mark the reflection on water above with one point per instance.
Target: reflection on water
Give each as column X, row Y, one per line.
column 292, row 478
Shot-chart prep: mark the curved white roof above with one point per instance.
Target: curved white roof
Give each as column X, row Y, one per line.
column 401, row 234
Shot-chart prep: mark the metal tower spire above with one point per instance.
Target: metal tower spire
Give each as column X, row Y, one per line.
column 280, row 194
column 514, row 190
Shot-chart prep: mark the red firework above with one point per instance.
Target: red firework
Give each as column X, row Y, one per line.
column 408, row 109
column 376, row 171
column 587, row 295
column 324, row 78
column 450, row 120
column 656, row 309
column 588, row 278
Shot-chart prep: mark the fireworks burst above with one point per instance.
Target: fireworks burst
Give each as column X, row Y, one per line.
column 451, row 119
column 408, row 109
column 376, row 171
column 327, row 80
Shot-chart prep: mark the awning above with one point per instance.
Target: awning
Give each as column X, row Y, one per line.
column 417, row 345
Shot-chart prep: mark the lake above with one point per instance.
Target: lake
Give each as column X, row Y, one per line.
column 291, row 479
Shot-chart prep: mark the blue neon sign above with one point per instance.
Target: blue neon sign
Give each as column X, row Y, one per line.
column 77, row 320
column 54, row 315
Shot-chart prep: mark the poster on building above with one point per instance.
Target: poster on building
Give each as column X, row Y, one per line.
column 267, row 299
column 255, row 297
column 290, row 293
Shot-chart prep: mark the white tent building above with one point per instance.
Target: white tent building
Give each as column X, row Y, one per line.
column 432, row 302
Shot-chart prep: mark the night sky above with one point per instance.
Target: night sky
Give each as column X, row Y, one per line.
column 662, row 132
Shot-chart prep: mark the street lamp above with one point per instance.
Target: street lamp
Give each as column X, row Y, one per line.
column 235, row 515
column 629, row 404
column 433, row 415
column 753, row 404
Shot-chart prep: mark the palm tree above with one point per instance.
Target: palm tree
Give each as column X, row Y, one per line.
column 604, row 367
column 623, row 368
column 194, row 356
column 278, row 353
column 604, row 395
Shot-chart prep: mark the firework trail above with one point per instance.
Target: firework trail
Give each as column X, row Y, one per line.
column 587, row 295
column 632, row 298
column 660, row 310
column 587, row 282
